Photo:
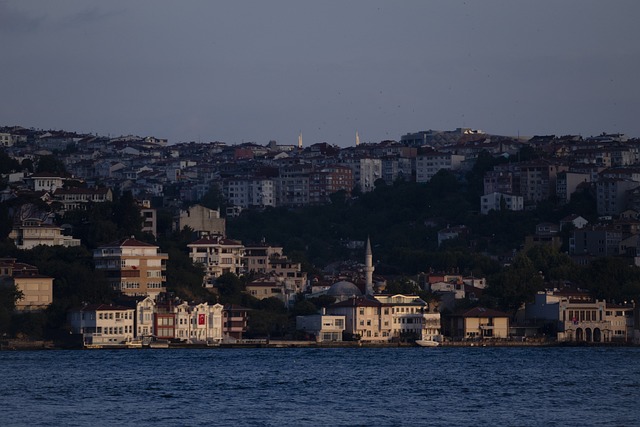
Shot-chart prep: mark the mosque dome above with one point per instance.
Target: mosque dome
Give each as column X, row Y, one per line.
column 344, row 289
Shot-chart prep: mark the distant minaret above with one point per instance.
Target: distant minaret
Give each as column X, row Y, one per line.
column 368, row 268
column 300, row 140
column 357, row 139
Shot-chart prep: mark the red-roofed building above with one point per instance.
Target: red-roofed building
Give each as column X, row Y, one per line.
column 133, row 267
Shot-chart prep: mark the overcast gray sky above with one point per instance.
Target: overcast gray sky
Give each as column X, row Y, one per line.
column 258, row 70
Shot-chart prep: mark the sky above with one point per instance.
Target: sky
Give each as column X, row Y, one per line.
column 251, row 70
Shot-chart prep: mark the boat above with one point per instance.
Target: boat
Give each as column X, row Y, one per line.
column 427, row 343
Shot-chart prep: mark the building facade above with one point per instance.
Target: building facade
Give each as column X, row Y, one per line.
column 133, row 267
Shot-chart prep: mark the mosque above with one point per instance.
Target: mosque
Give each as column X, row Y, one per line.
column 343, row 289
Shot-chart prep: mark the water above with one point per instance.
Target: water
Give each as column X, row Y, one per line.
column 346, row 387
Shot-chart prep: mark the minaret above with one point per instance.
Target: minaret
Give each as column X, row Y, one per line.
column 368, row 268
column 300, row 141
column 357, row 139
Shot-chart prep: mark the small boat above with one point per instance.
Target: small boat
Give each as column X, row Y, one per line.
column 427, row 343
column 134, row 344
column 159, row 344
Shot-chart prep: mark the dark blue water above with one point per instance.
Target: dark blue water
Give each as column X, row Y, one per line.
column 348, row 387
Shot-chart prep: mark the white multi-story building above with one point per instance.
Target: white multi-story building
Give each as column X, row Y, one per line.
column 218, row 256
column 430, row 164
column 412, row 316
column 324, row 327
column 499, row 201
column 145, row 319
column 366, row 171
column 612, row 195
column 103, row 325
column 250, row 192
column 33, row 232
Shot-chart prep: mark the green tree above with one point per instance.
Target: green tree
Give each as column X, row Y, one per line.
column 230, row 288
column 516, row 284
column 51, row 164
column 9, row 293
column 214, row 199
column 8, row 164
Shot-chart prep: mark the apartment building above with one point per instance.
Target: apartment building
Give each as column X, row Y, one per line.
column 430, row 164
column 218, row 256
column 133, row 267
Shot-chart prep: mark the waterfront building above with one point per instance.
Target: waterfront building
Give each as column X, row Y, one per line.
column 324, row 327
column 145, row 318
column 205, row 323
column 578, row 317
column 234, row 321
column 477, row 323
column 132, row 267
column 365, row 317
column 412, row 317
column 102, row 324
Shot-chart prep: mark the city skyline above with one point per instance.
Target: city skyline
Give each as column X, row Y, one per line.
column 256, row 72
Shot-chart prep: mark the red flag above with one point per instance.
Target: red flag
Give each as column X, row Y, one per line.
column 200, row 319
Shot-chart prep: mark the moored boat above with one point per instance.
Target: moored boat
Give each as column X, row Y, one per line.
column 427, row 343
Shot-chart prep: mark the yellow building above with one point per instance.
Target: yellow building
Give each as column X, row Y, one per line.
column 477, row 323
column 37, row 290
column 366, row 318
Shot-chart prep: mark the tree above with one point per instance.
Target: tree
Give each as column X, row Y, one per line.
column 51, row 164
column 8, row 164
column 214, row 199
column 516, row 284
column 9, row 293
column 230, row 288
column 126, row 214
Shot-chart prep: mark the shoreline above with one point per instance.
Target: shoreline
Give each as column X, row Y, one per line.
column 22, row 345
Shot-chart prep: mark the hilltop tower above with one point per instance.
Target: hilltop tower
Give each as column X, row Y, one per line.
column 357, row 139
column 300, row 140
column 368, row 268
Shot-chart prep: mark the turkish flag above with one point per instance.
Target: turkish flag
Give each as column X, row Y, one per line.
column 200, row 319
